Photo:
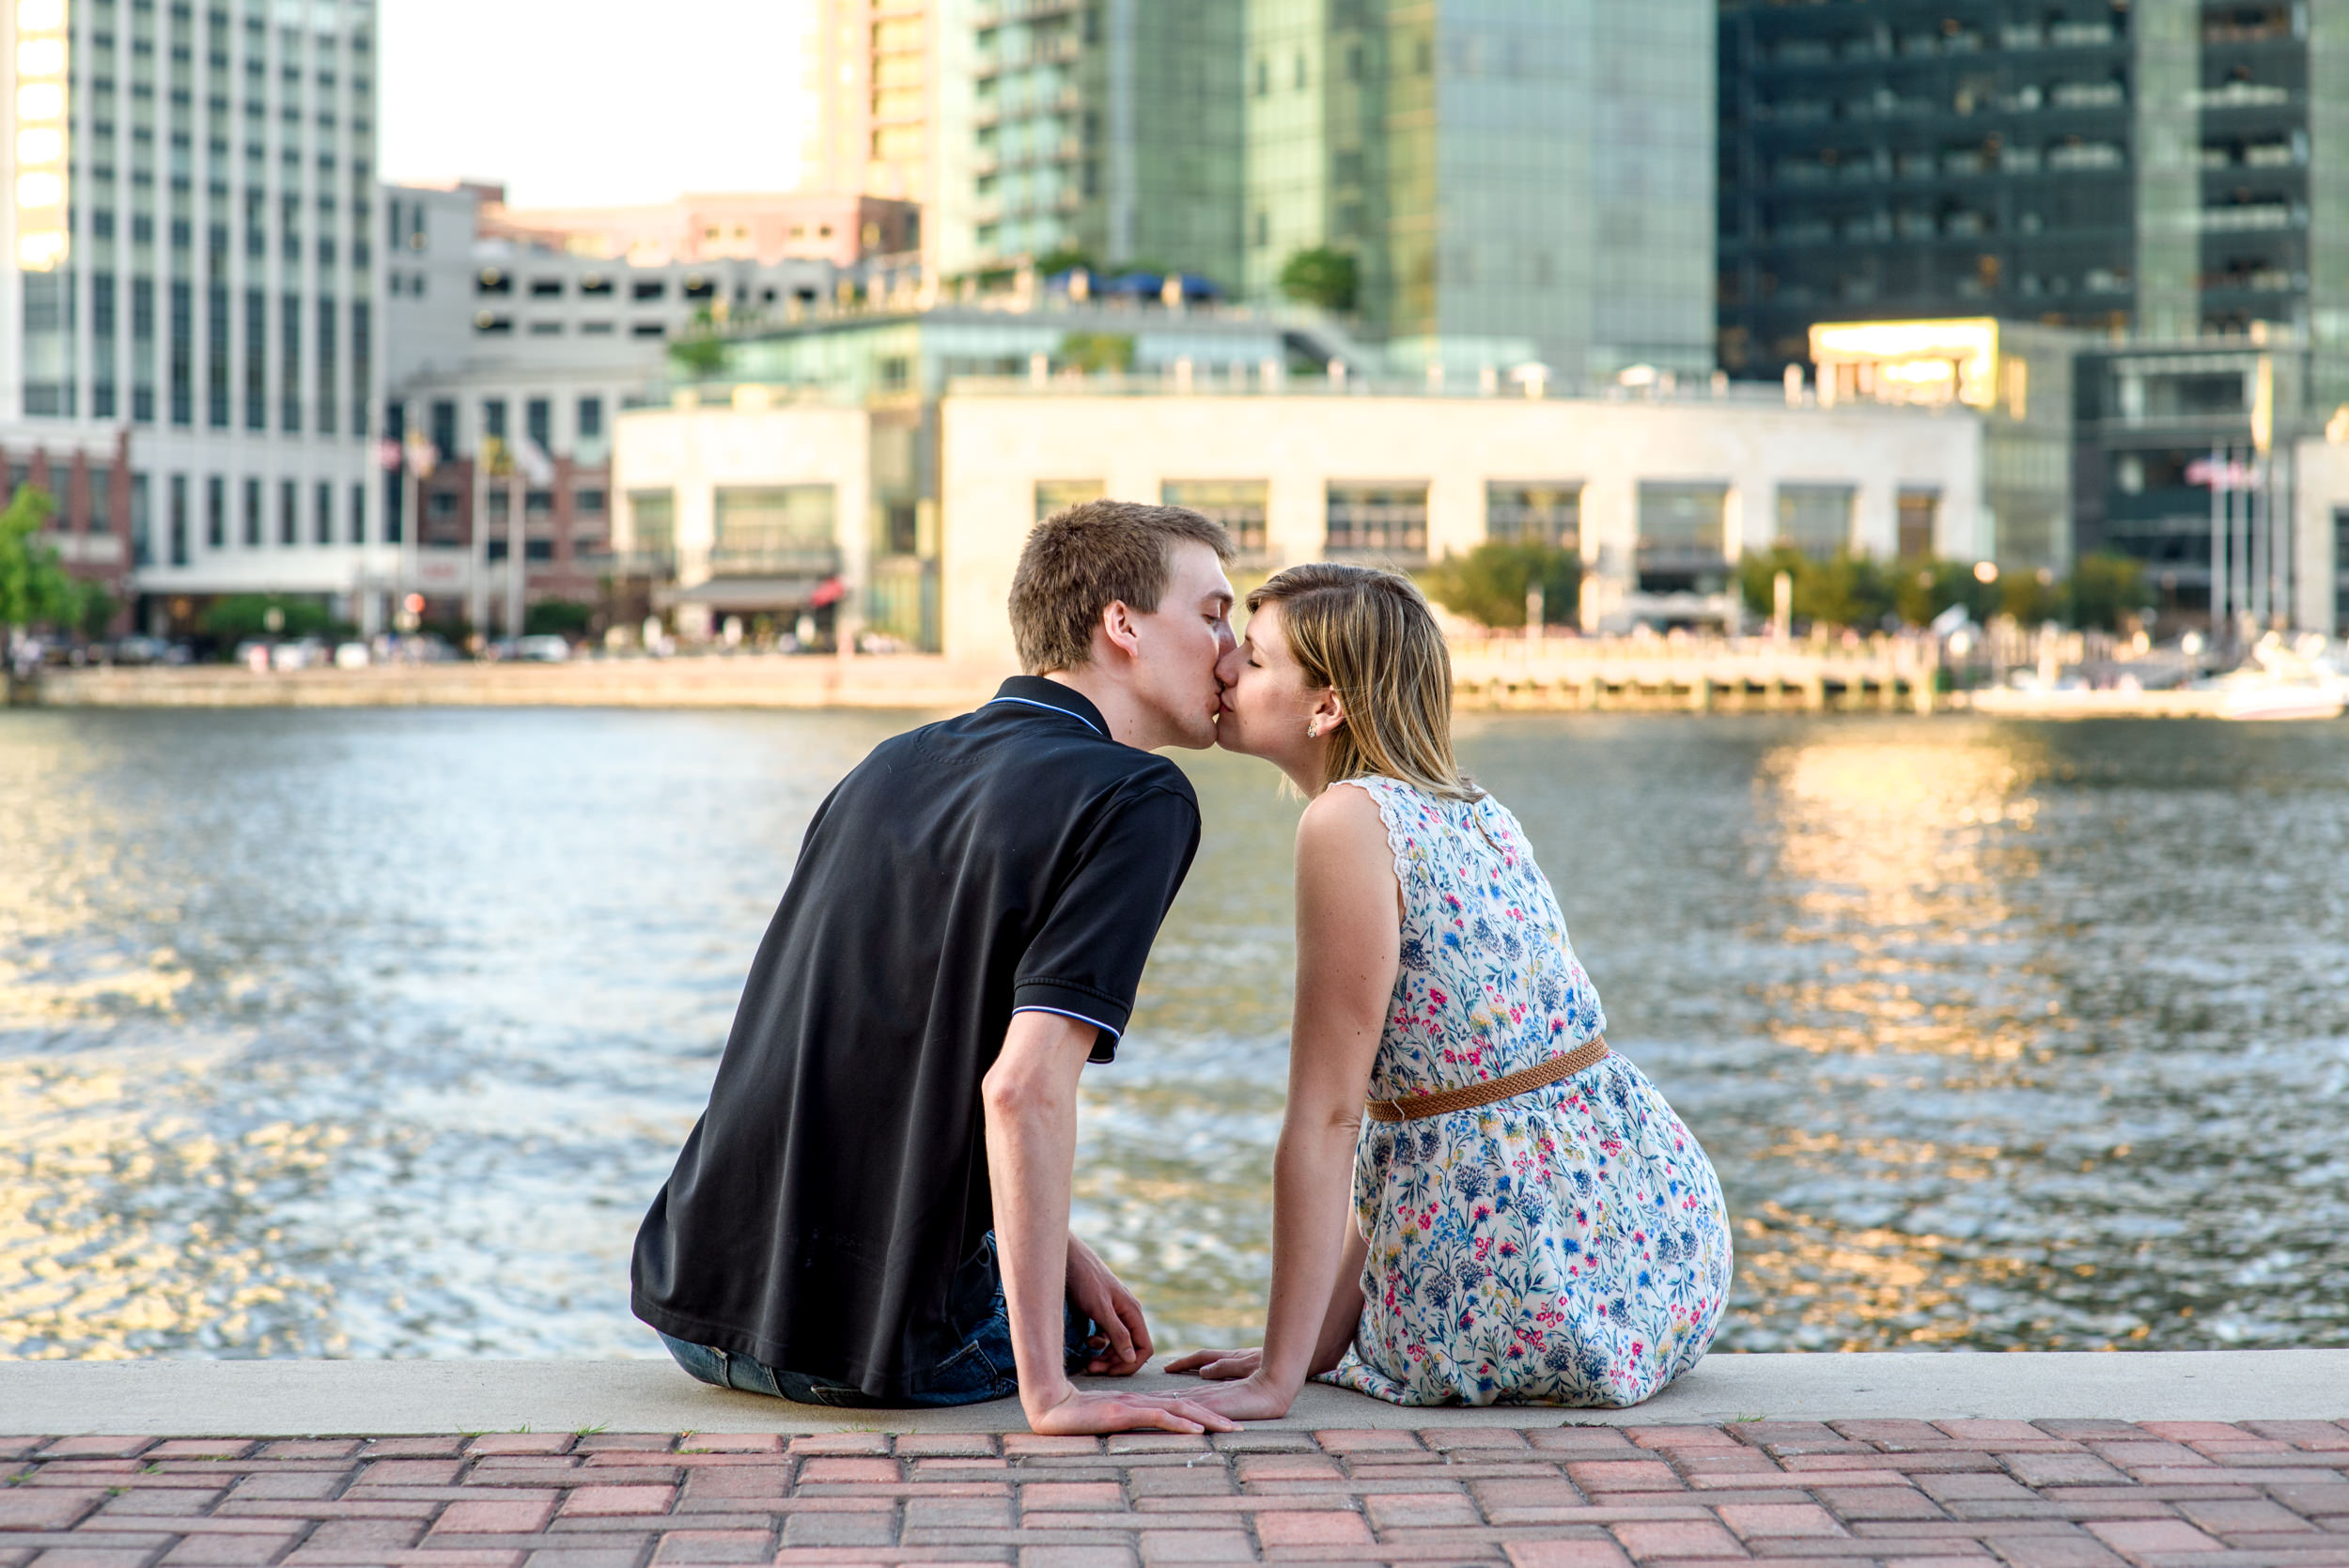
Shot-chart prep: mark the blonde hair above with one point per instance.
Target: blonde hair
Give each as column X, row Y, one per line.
column 1369, row 636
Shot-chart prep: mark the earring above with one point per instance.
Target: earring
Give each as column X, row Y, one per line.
column 1313, row 729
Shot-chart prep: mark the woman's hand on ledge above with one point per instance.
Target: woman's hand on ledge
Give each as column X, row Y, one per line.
column 1218, row 1365
column 1246, row 1393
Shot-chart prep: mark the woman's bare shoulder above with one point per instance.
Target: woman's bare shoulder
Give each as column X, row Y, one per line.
column 1343, row 820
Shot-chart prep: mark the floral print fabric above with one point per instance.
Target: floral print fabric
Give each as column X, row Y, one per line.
column 1567, row 1246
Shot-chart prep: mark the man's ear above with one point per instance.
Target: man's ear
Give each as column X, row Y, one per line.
column 1117, row 625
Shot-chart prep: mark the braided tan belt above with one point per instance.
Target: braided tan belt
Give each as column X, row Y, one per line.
column 1414, row 1107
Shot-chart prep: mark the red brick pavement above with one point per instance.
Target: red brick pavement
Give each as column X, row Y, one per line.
column 1906, row 1494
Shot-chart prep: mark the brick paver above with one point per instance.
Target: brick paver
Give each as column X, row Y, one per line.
column 1898, row 1493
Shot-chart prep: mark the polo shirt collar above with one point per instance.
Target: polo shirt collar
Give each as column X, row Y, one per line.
column 1036, row 692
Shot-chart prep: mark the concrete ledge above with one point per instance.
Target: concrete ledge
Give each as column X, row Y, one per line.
column 195, row 1399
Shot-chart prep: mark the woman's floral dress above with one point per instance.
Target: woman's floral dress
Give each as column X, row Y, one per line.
column 1566, row 1245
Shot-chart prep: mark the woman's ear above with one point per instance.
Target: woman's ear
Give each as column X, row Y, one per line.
column 1329, row 711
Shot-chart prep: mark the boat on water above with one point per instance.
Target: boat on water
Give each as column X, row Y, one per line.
column 2283, row 682
column 2306, row 680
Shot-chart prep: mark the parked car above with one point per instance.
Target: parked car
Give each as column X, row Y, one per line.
column 351, row 656
column 146, row 650
column 542, row 649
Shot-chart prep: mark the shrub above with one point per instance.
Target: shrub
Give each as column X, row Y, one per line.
column 1489, row 583
column 1320, row 276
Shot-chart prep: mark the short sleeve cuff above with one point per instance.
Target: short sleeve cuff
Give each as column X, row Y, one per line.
column 1081, row 1003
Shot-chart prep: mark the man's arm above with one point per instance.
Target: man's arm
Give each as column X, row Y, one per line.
column 1030, row 1096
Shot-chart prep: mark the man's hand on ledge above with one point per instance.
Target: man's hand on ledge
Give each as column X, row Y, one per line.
column 1103, row 1297
column 1076, row 1412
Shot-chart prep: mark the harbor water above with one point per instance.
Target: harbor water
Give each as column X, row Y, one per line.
column 370, row 1033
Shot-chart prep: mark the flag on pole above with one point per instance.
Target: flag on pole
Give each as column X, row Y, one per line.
column 423, row 456
column 533, row 460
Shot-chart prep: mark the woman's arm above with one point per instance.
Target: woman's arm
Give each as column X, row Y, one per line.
column 1349, row 935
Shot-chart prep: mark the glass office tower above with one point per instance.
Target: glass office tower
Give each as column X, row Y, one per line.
column 191, row 253
column 2169, row 169
column 1515, row 178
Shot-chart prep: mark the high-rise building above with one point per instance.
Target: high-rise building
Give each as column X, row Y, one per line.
column 190, row 251
column 1027, row 128
column 1515, row 180
column 2169, row 169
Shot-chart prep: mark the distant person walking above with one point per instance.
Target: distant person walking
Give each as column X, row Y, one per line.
column 1530, row 1224
column 874, row 1209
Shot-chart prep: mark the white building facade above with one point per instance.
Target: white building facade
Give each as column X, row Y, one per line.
column 489, row 337
column 191, row 252
column 1658, row 497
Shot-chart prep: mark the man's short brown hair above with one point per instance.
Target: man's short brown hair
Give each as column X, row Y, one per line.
column 1079, row 562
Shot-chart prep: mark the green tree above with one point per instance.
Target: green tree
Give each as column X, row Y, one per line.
column 234, row 617
column 1844, row 590
column 1320, row 276
column 2031, row 600
column 1489, row 583
column 1096, row 351
column 35, row 589
column 560, row 617
column 1061, row 258
column 1923, row 589
column 700, row 350
column 2107, row 590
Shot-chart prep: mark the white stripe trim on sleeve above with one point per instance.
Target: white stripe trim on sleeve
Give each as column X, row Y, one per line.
column 1063, row 1012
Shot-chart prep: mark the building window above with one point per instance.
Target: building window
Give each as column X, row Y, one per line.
column 182, row 354
column 101, row 498
column 359, row 514
column 649, row 288
column 288, row 513
column 1815, row 519
column 652, row 525
column 493, row 418
column 253, row 514
column 539, row 419
column 256, row 359
column 1389, row 521
column 1546, row 512
column 328, row 395
column 1053, row 496
column 1919, row 512
column 648, row 329
column 179, row 520
column 290, row 365
column 215, row 513
column 444, row 426
column 142, row 522
column 1681, row 538
column 323, row 513
column 1238, row 505
column 590, row 419
column 587, row 503
column 216, row 356
column 775, row 530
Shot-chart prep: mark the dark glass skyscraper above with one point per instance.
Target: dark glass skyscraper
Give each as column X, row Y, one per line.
column 2164, row 168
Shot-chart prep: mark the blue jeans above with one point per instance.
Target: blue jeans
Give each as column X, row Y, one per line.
column 980, row 1369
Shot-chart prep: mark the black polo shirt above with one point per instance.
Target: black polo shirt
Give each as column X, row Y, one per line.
column 827, row 1213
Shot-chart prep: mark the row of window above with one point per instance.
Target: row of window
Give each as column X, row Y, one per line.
column 313, row 333
column 537, row 420
column 215, row 514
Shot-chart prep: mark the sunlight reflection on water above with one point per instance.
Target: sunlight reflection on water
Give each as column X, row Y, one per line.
column 370, row 1033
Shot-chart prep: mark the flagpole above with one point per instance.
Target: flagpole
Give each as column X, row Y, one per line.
column 516, row 490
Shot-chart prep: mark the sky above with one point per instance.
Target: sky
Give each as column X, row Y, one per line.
column 593, row 102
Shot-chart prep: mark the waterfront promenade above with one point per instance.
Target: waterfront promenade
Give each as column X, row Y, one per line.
column 1935, row 1462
